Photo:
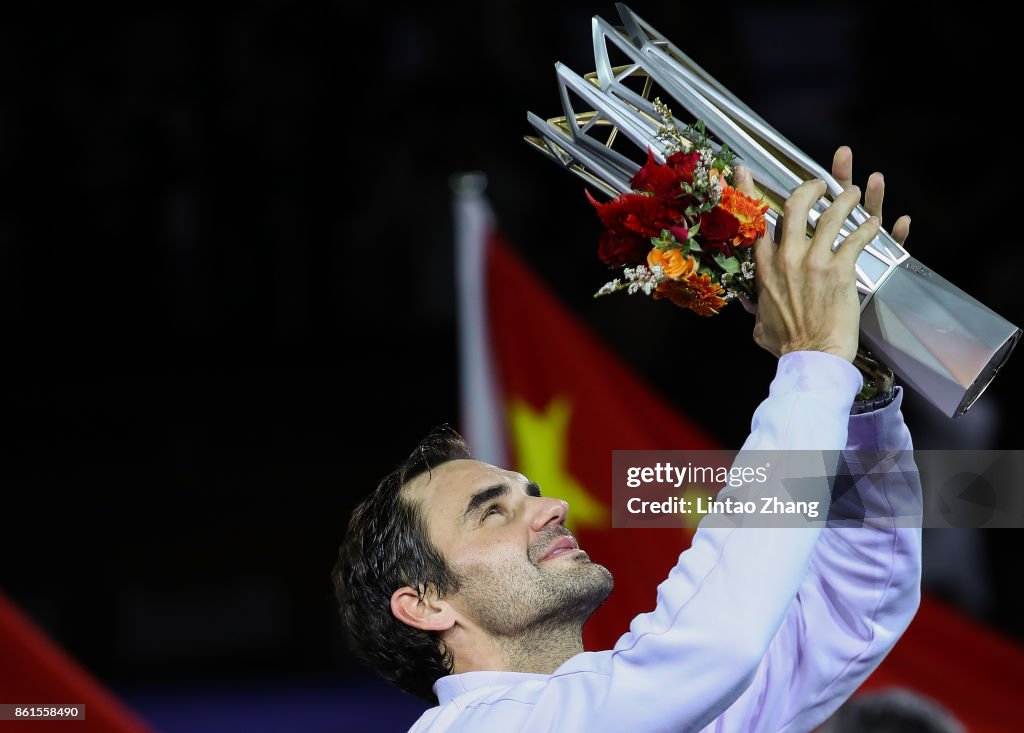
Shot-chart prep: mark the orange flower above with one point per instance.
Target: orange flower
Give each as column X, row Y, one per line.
column 672, row 262
column 748, row 211
column 696, row 292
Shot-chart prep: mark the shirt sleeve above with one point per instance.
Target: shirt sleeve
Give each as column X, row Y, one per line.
column 683, row 664
column 860, row 594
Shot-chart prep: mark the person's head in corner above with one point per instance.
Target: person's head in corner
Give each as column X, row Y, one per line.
column 454, row 565
column 894, row 710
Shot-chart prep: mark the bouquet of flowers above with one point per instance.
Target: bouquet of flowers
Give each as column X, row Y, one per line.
column 684, row 233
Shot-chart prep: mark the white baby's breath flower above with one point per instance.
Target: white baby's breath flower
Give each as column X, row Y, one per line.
column 668, row 133
column 715, row 190
column 642, row 278
column 700, row 177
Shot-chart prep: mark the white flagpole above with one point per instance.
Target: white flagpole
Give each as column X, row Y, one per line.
column 482, row 408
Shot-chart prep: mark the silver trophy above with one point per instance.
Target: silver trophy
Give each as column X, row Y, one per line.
column 939, row 340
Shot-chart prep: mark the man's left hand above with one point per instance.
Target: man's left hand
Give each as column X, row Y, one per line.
column 874, row 192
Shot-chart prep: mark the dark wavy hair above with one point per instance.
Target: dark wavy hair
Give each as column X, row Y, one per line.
column 386, row 547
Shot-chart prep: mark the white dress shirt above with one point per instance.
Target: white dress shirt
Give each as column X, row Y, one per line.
column 755, row 629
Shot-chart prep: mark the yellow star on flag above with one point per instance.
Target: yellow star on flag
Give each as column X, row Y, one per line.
column 540, row 440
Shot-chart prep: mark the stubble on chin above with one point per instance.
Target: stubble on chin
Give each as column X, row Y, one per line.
column 516, row 597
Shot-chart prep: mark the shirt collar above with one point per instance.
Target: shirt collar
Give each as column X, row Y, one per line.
column 454, row 685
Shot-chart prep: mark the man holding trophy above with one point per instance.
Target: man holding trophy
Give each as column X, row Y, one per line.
column 459, row 582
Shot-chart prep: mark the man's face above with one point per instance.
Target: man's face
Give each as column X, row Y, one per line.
column 519, row 565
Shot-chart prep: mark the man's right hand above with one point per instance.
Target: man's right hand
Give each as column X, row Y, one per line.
column 806, row 293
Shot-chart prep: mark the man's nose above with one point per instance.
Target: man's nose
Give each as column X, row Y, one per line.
column 548, row 511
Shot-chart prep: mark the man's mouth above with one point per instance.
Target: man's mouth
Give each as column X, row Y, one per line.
column 562, row 546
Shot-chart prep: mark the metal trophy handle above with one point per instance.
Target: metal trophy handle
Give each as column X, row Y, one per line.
column 940, row 341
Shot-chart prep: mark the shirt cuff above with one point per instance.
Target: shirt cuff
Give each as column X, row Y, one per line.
column 818, row 372
column 881, row 429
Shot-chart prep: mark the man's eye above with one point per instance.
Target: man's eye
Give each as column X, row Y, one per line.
column 493, row 509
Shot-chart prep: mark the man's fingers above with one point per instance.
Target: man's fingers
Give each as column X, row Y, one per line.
column 748, row 305
column 744, row 181
column 826, row 231
column 794, row 222
column 842, row 166
column 874, row 195
column 901, row 229
column 854, row 244
column 764, row 248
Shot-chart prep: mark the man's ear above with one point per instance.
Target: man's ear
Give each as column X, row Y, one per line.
column 426, row 612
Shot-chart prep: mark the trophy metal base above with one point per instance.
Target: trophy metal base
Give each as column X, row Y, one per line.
column 940, row 341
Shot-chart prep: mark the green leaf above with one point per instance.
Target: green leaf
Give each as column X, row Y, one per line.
column 729, row 264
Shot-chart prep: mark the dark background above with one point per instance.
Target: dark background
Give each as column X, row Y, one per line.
column 226, row 282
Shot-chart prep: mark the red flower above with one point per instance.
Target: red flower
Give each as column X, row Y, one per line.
column 656, row 178
column 684, row 164
column 719, row 228
column 617, row 250
column 665, row 180
column 635, row 213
